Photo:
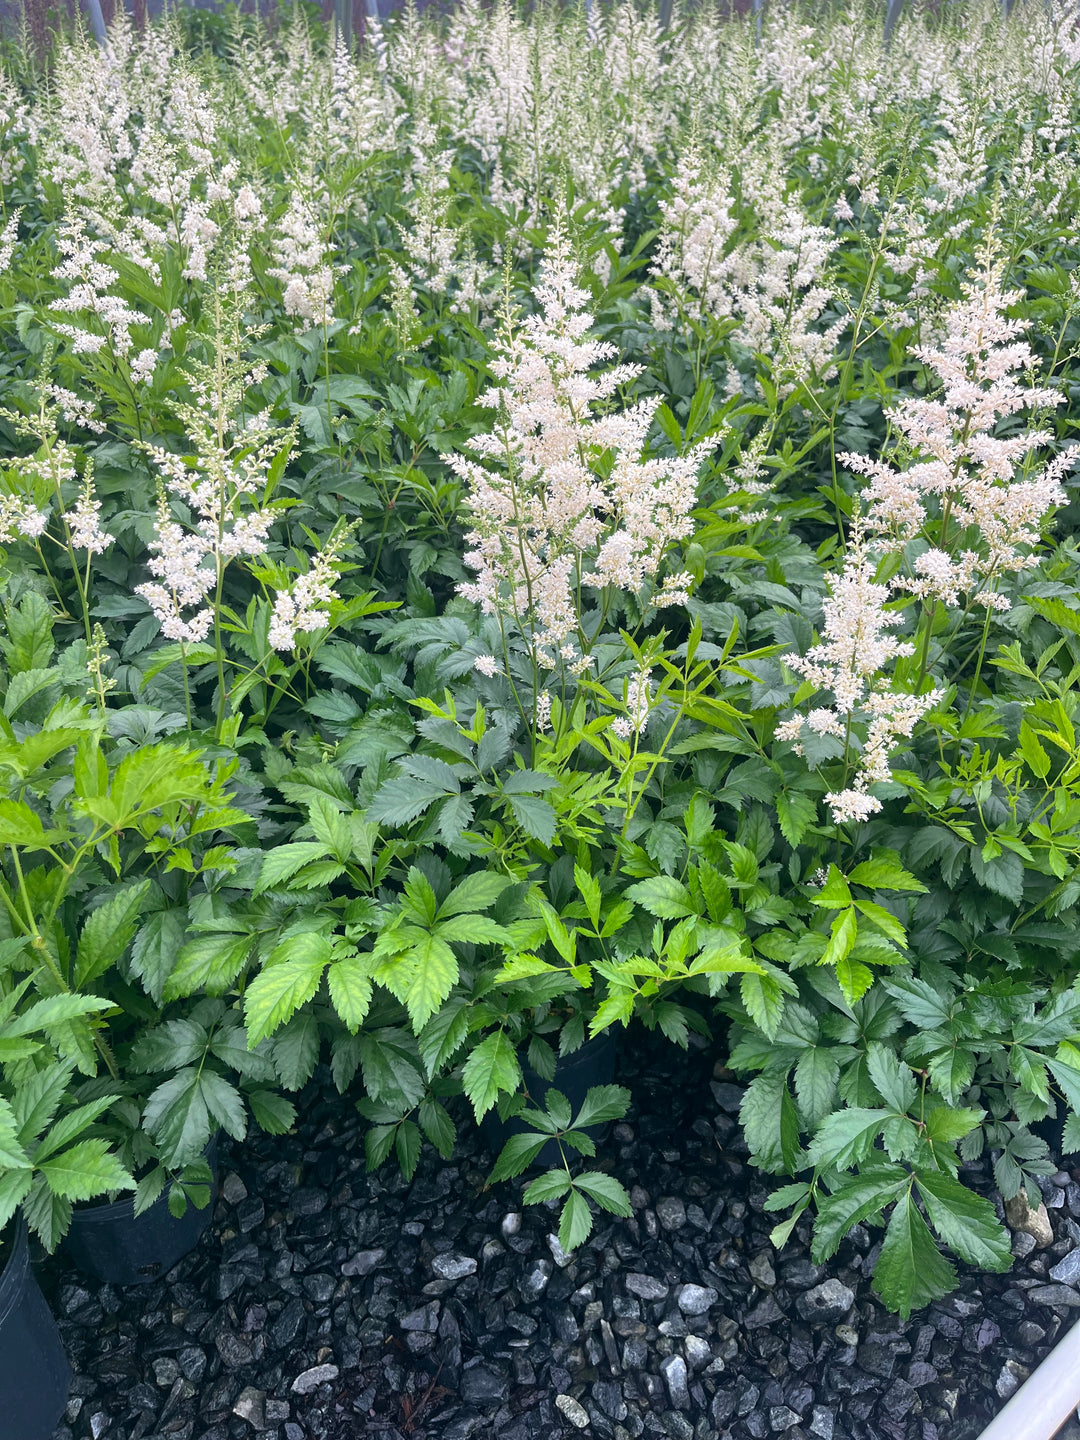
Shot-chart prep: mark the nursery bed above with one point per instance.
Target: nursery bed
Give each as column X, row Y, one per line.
column 324, row 1304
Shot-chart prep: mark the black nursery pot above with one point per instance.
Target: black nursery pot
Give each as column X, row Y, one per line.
column 114, row 1244
column 34, row 1372
column 575, row 1074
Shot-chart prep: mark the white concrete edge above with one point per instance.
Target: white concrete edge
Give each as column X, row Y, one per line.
column 1046, row 1399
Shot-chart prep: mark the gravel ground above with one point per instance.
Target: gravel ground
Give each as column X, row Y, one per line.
column 325, row 1304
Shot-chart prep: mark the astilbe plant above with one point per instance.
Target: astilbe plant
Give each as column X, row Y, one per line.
column 564, row 504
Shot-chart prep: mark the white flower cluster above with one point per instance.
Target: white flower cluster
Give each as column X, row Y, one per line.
column 852, row 660
column 548, row 519
column 302, row 266
column 303, row 607
column 963, row 493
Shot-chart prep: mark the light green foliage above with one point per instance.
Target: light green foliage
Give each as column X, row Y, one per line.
column 276, row 789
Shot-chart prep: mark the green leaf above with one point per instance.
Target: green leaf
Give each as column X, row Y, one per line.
column 946, row 1125
column 209, row 963
column 295, row 1049
column 70, row 1125
column 846, row 1137
column 491, row 1069
column 965, row 1221
column 1070, row 1144
column 283, row 863
column 278, row 991
column 407, row 1143
column 548, row 1186
column 602, row 1103
column 764, row 1000
column 272, row 1112
column 576, row 1222
column 854, row 1200
column 430, row 972
column 47, row 1214
column 816, row 1074
column 854, row 979
column 85, row 1171
column 390, row 1072
column 911, row 1270
column 770, row 1122
column 517, row 1155
column 175, row 1114
column 663, row 896
column 952, row 1071
column 885, row 920
column 845, row 930
column 476, row 892
column 20, row 826
column 14, row 1188
column 589, row 889
column 884, row 872
column 437, row 1126
column 224, row 1104
column 535, row 815
column 894, row 1081
column 155, row 949
column 795, row 814
column 608, row 1193
column 107, row 933
column 350, row 990
column 919, row 1003
column 444, row 1034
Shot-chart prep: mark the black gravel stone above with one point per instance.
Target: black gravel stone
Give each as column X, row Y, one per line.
column 325, row 1304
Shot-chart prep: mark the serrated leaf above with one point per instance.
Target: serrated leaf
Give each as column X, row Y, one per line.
column 764, row 1000
column 795, row 814
column 854, row 1200
column 478, row 891
column 407, row 1144
column 663, row 896
column 965, row 1221
column 209, row 963
column 884, row 872
column 390, row 1073
column 278, row 991
column 602, row 1104
column 548, row 1186
column 894, row 1081
column 589, row 890
column 272, row 1112
column 854, row 978
column 175, row 1114
column 536, row 817
column 911, row 1270
column 517, row 1155
column 490, row 1070
column 444, row 1035
column 107, row 933
column 816, row 1073
column 295, row 1049
column 85, row 1171
column 155, row 949
column 575, row 1222
column 846, row 1138
column 770, row 1122
column 437, row 1126
column 608, row 1193
column 350, row 990
column 282, row 863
